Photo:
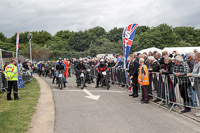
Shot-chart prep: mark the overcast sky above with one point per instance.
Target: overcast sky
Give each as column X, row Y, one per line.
column 55, row 15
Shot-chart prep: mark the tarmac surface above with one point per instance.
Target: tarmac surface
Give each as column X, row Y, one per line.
column 97, row 110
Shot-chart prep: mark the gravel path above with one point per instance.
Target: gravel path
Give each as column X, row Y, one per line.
column 43, row 119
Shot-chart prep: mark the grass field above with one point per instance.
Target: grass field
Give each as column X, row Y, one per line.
column 15, row 115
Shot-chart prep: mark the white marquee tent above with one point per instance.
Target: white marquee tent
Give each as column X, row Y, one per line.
column 181, row 50
column 150, row 49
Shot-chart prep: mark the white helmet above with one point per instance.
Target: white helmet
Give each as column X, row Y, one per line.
column 102, row 60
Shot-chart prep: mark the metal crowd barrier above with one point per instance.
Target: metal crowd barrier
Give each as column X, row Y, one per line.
column 118, row 75
column 94, row 72
column 115, row 75
column 169, row 89
column 3, row 82
column 26, row 76
column 174, row 91
column 72, row 69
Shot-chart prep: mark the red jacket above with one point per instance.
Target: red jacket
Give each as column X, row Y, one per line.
column 102, row 68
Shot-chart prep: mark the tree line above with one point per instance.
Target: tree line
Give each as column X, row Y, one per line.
column 95, row 41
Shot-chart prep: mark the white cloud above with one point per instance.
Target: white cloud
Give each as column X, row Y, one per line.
column 55, row 15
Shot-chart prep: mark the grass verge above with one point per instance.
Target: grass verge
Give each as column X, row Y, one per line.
column 15, row 115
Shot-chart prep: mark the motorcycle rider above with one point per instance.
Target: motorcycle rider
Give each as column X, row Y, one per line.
column 35, row 67
column 51, row 66
column 80, row 66
column 41, row 65
column 60, row 66
column 89, row 71
column 101, row 68
column 38, row 67
column 47, row 68
column 86, row 64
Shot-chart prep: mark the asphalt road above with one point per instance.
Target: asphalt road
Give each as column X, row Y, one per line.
column 113, row 112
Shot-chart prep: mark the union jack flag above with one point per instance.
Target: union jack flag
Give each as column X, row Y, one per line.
column 127, row 36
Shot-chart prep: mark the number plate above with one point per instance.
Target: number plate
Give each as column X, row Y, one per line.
column 82, row 75
column 60, row 75
column 104, row 73
column 88, row 70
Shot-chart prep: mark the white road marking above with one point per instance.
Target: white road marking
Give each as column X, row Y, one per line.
column 100, row 91
column 90, row 95
column 107, row 91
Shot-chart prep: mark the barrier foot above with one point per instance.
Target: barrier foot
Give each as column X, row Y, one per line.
column 5, row 90
column 125, row 87
column 171, row 107
column 160, row 103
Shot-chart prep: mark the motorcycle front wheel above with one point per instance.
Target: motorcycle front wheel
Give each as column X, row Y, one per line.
column 107, row 84
column 60, row 83
column 82, row 82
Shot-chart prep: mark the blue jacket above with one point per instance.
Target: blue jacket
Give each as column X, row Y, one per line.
column 58, row 63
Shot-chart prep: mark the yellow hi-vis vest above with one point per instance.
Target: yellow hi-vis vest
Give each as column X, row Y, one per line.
column 11, row 72
column 143, row 77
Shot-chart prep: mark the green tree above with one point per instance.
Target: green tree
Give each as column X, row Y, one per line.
column 79, row 41
column 160, row 37
column 8, row 46
column 41, row 37
column 96, row 32
column 2, row 37
column 186, row 34
column 141, row 29
column 97, row 41
column 114, row 35
column 63, row 34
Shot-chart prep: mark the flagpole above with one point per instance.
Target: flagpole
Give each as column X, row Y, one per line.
column 125, row 57
column 19, row 78
column 17, row 43
column 124, row 47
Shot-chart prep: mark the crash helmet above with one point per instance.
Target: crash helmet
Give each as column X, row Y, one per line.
column 102, row 60
column 81, row 60
column 85, row 62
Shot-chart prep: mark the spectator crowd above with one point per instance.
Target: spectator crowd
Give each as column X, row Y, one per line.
column 152, row 74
